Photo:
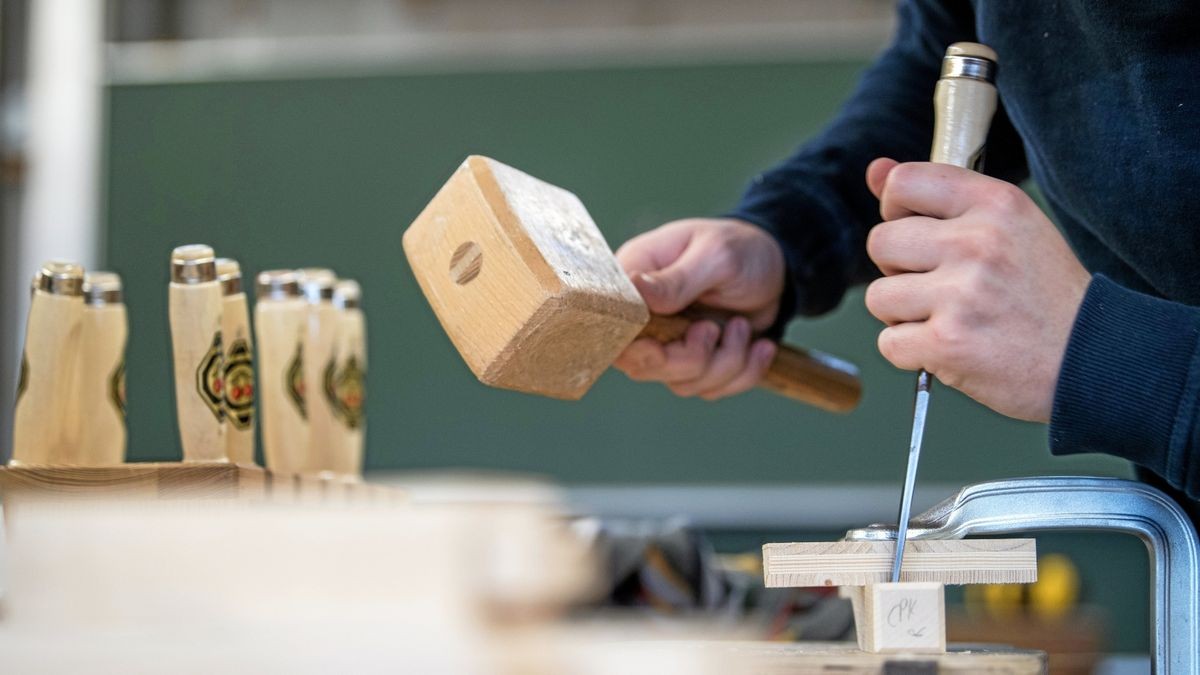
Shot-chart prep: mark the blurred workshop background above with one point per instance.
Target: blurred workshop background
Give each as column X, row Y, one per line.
column 290, row 133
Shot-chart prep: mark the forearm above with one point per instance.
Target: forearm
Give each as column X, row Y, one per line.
column 1130, row 384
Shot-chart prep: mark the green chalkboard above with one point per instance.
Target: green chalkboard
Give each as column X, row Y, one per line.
column 329, row 171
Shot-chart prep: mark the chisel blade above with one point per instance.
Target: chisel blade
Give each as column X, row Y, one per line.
column 920, row 409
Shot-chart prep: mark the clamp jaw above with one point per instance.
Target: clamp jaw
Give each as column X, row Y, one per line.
column 1078, row 503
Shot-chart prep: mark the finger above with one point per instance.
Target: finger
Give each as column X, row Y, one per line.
column 642, row 360
column 937, row 190
column 688, row 358
column 906, row 245
column 902, row 298
column 877, row 172
column 762, row 353
column 728, row 359
column 906, row 345
column 697, row 270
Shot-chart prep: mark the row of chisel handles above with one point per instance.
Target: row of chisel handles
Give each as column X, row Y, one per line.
column 311, row 367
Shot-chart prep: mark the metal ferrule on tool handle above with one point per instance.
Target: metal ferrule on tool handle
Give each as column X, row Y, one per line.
column 1078, row 503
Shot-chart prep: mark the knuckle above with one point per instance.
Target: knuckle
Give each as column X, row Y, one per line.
column 902, row 176
column 1004, row 196
column 722, row 259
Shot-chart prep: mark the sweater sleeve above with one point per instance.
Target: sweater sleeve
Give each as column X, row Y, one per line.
column 1130, row 384
column 816, row 203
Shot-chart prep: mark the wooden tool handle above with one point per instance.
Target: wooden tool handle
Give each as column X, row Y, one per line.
column 46, row 420
column 239, row 385
column 808, row 376
column 280, row 326
column 102, row 397
column 964, row 103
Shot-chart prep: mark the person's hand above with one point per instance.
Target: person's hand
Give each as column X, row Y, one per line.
column 980, row 288
column 721, row 263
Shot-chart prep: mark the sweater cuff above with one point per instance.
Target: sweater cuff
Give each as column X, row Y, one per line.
column 1126, row 387
column 815, row 249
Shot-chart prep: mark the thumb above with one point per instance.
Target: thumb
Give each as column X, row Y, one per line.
column 673, row 288
column 877, row 173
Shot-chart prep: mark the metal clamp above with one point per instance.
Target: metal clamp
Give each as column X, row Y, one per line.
column 1078, row 503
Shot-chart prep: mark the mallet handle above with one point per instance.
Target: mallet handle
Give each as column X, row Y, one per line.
column 808, row 376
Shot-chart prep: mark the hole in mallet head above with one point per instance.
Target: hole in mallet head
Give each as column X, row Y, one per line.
column 466, row 262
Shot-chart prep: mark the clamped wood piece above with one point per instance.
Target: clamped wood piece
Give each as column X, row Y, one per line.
column 908, row 616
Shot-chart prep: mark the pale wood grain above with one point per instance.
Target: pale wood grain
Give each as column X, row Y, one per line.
column 848, row 563
column 905, row 617
column 533, row 300
column 345, row 386
column 280, row 326
column 195, row 316
column 102, row 384
column 320, row 344
column 963, row 110
column 46, row 424
column 155, row 480
column 239, row 350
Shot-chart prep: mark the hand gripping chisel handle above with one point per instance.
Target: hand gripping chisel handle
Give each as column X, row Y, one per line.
column 963, row 102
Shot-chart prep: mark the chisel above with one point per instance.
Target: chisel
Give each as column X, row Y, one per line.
column 46, row 420
column 320, row 342
column 194, row 308
column 963, row 102
column 102, row 384
column 280, row 315
column 238, row 380
column 345, row 380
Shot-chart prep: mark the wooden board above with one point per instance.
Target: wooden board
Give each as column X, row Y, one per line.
column 857, row 563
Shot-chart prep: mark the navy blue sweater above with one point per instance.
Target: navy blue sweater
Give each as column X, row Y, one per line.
column 1100, row 104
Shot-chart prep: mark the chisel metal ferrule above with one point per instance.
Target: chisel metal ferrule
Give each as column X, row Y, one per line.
column 277, row 285
column 969, row 68
column 59, row 277
column 316, row 283
column 193, row 264
column 102, row 288
column 347, row 294
column 229, row 273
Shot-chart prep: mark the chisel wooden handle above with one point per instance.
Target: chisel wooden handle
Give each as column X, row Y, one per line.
column 808, row 376
column 194, row 309
column 239, row 386
column 280, row 324
column 102, row 383
column 320, row 345
column 345, row 381
column 46, row 422
column 964, row 103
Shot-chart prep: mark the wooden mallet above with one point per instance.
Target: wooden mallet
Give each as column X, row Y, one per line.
column 533, row 298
